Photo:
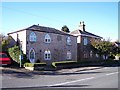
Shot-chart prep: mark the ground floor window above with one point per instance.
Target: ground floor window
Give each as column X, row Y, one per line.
column 32, row 55
column 97, row 55
column 91, row 54
column 85, row 54
column 47, row 55
column 69, row 55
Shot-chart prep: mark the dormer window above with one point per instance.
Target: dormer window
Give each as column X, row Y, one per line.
column 85, row 41
column 47, row 38
column 32, row 37
column 68, row 41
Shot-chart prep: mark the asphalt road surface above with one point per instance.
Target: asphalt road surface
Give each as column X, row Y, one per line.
column 90, row 77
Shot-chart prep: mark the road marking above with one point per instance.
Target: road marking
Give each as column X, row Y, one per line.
column 111, row 73
column 71, row 82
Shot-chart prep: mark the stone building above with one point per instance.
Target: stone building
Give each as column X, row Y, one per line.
column 46, row 44
column 84, row 39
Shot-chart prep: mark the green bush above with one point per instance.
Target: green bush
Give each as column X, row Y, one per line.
column 14, row 53
column 34, row 64
column 25, row 60
column 28, row 65
column 55, row 64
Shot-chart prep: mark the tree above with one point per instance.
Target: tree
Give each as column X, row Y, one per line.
column 14, row 53
column 1, row 37
column 103, row 47
column 65, row 29
column 4, row 43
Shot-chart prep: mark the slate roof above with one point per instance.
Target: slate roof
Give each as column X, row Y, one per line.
column 43, row 29
column 85, row 33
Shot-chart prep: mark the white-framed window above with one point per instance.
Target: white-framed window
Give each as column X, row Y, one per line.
column 33, row 37
column 69, row 55
column 97, row 55
column 91, row 54
column 85, row 55
column 85, row 41
column 32, row 55
column 47, row 55
column 47, row 38
column 68, row 41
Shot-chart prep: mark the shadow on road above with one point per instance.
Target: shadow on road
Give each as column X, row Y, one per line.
column 16, row 73
column 71, row 86
column 30, row 74
column 47, row 87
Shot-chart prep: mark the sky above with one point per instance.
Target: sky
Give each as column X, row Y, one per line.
column 100, row 18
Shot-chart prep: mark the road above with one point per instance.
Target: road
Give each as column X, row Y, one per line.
column 90, row 77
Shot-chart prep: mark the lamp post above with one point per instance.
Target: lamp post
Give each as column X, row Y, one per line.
column 20, row 57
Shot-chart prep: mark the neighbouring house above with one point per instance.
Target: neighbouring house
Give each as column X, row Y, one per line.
column 84, row 39
column 117, row 50
column 117, row 44
column 46, row 44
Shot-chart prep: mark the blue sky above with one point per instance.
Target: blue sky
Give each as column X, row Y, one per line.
column 100, row 18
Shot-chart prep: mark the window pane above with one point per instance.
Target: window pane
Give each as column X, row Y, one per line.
column 85, row 41
column 68, row 41
column 49, row 56
column 47, row 38
column 69, row 55
column 46, row 56
column 32, row 36
column 32, row 54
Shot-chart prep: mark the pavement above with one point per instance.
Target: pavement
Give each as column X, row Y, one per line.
column 23, row 70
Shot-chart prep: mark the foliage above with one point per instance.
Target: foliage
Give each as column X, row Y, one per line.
column 2, row 37
column 14, row 53
column 65, row 29
column 34, row 64
column 28, row 65
column 55, row 64
column 5, row 42
column 25, row 60
column 102, row 47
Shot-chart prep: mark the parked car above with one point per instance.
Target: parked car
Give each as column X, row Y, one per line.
column 4, row 59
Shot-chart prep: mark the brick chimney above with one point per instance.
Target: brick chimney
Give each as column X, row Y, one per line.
column 82, row 26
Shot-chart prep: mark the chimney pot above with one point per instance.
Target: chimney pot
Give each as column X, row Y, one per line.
column 82, row 26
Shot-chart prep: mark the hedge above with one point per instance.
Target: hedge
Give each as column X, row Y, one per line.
column 55, row 64
column 34, row 64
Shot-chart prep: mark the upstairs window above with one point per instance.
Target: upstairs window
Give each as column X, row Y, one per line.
column 47, row 55
column 33, row 37
column 85, row 41
column 47, row 38
column 69, row 55
column 68, row 41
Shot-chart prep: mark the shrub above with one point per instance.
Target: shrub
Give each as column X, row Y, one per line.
column 34, row 64
column 25, row 60
column 14, row 53
column 55, row 64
